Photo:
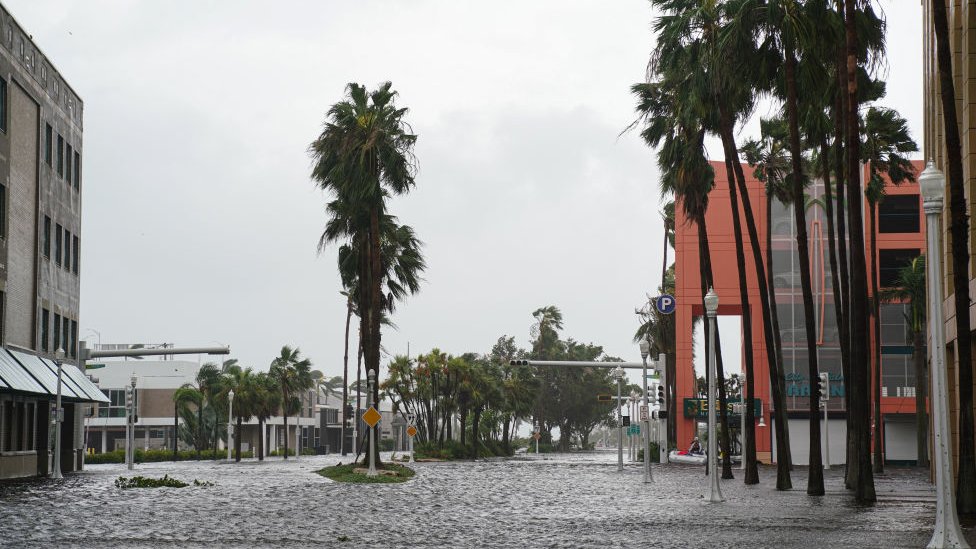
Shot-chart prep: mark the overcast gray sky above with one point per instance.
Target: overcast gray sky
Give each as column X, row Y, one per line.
column 200, row 221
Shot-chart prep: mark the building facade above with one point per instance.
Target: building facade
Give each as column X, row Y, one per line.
column 962, row 36
column 900, row 237
column 40, row 244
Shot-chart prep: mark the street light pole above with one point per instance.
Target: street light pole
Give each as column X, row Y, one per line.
column 56, row 474
column 947, row 531
column 230, row 423
column 618, row 374
column 131, row 421
column 711, row 307
column 645, row 349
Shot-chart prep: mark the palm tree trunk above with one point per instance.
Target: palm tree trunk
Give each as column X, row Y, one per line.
column 747, row 397
column 860, row 406
column 784, row 461
column 959, row 228
column 749, row 436
column 375, row 312
column 359, row 388
column 260, row 439
column 815, row 486
column 840, row 132
column 345, row 378
column 199, row 443
column 285, row 416
column 475, row 433
column 664, row 262
column 774, row 355
column 506, row 441
column 707, row 280
column 464, row 421
column 835, row 283
column 876, row 313
column 921, row 389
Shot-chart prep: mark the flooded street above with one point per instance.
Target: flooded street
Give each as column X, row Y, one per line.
column 561, row 501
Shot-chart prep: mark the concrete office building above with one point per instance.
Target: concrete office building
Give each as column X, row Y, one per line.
column 962, row 35
column 40, row 239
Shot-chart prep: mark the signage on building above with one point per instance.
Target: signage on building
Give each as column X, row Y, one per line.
column 698, row 407
column 798, row 385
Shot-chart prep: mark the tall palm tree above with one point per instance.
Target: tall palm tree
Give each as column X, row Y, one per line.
column 909, row 288
column 266, row 402
column 959, row 229
column 292, row 374
column 886, row 141
column 363, row 155
column 242, row 382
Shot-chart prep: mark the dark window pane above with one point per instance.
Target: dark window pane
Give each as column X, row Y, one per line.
column 47, row 236
column 77, row 169
column 75, row 251
column 899, row 214
column 57, row 331
column 68, row 173
column 45, row 336
column 3, row 105
column 58, row 230
column 892, row 261
column 48, row 144
column 3, row 211
column 60, row 155
column 67, row 250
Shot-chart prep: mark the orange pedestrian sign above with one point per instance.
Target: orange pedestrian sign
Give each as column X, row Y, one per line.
column 412, row 431
column 371, row 417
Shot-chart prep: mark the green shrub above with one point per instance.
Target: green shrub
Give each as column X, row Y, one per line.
column 655, row 453
column 148, row 482
column 452, row 449
column 154, row 456
column 386, row 444
column 281, row 451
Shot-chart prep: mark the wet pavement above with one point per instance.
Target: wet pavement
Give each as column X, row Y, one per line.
column 560, row 501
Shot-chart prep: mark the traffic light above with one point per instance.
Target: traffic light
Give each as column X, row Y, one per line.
column 626, row 421
column 518, row 362
column 660, row 397
column 347, row 411
column 824, row 387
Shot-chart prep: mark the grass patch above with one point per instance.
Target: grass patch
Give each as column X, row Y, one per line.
column 148, row 482
column 347, row 473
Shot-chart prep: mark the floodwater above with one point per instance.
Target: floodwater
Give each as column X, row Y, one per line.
column 578, row 500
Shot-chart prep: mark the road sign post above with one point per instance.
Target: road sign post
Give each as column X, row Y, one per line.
column 665, row 304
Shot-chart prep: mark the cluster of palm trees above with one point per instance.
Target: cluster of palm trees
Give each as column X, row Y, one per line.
column 205, row 404
column 363, row 156
column 714, row 62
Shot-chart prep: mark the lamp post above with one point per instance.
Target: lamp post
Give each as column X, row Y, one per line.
column 947, row 532
column 645, row 349
column 711, row 307
column 56, row 474
column 742, row 418
column 618, row 374
column 370, row 380
column 131, row 421
column 230, row 422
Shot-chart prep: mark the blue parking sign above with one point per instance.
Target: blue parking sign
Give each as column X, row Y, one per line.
column 665, row 304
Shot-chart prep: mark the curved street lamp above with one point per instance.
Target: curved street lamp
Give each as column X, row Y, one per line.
column 58, row 417
column 711, row 308
column 230, row 422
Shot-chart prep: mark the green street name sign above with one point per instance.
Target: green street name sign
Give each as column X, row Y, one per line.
column 94, row 366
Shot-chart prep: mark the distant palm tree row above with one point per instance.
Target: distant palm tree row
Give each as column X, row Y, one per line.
column 204, row 405
column 713, row 62
column 362, row 158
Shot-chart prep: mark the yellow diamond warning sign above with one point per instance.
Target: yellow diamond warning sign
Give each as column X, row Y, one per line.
column 371, row 417
column 412, row 431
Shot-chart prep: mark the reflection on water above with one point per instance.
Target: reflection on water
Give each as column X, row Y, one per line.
column 562, row 501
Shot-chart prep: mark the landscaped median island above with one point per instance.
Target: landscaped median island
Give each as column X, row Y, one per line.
column 354, row 472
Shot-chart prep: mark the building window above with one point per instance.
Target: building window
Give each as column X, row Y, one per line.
column 3, row 211
column 57, row 332
column 45, row 335
column 68, row 160
column 75, row 255
column 892, row 261
column 58, row 230
column 44, row 73
column 60, row 155
column 74, row 339
column 47, row 237
column 899, row 214
column 116, row 405
column 77, row 170
column 3, row 105
column 67, row 250
column 48, row 144
column 66, row 334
